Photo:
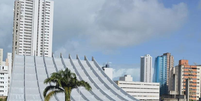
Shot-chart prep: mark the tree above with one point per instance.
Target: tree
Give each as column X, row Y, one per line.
column 64, row 82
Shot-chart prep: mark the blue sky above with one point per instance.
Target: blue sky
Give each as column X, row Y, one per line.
column 120, row 31
column 183, row 43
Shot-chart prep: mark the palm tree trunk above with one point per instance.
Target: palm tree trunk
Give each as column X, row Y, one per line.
column 67, row 97
column 67, row 94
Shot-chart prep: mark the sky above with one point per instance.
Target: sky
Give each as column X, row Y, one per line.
column 119, row 31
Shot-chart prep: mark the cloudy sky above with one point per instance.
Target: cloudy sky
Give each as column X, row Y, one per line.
column 119, row 31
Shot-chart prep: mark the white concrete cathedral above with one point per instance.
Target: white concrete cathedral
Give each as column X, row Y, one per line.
column 29, row 73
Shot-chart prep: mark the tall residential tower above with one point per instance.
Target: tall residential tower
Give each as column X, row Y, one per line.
column 33, row 27
column 146, row 68
column 180, row 74
column 163, row 64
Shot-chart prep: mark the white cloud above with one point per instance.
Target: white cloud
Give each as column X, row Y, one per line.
column 134, row 72
column 72, row 47
column 6, row 23
column 126, row 69
column 130, row 22
column 112, row 24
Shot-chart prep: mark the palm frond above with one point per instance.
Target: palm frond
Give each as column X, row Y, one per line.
column 48, row 88
column 84, row 84
column 55, row 78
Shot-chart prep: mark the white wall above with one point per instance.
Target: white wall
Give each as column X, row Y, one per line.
column 141, row 90
column 108, row 72
column 3, row 80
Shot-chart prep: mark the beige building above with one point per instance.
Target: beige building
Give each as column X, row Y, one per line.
column 170, row 66
column 179, row 75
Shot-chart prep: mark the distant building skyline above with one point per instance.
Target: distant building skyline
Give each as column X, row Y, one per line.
column 33, row 27
column 146, row 68
column 163, row 64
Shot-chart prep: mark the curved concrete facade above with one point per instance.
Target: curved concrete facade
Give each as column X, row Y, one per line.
column 29, row 72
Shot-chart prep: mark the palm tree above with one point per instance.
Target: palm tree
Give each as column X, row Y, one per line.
column 65, row 81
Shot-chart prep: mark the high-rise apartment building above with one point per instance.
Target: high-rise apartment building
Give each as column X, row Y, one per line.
column 192, row 73
column 146, row 68
column 163, row 64
column 33, row 27
column 182, row 72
